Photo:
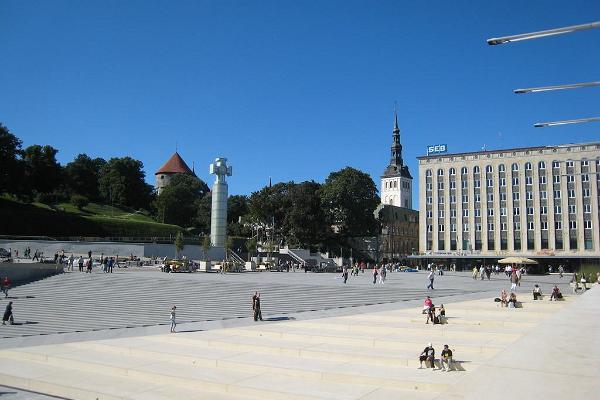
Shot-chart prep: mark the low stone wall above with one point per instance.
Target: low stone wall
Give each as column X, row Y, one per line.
column 21, row 273
column 49, row 248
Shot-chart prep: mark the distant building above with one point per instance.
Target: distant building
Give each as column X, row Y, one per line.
column 537, row 202
column 175, row 165
column 399, row 222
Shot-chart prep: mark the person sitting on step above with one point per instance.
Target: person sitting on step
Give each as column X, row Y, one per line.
column 446, row 359
column 556, row 294
column 537, row 292
column 427, row 355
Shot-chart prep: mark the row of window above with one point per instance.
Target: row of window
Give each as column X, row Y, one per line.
column 394, row 184
column 514, row 167
column 587, row 224
column 587, row 209
column 516, row 196
column 515, row 182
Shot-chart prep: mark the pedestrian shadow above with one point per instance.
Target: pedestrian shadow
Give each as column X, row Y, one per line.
column 26, row 323
column 19, row 297
column 279, row 319
column 7, row 393
column 191, row 330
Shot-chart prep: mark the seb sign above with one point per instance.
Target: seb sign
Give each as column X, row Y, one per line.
column 437, row 149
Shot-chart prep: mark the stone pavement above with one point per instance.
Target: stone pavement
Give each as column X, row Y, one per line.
column 80, row 302
column 371, row 355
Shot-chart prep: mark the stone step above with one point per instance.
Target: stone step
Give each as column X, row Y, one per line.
column 85, row 379
column 355, row 339
column 449, row 331
column 323, row 351
column 313, row 369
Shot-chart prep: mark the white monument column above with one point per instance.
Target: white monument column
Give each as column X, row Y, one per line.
column 218, row 218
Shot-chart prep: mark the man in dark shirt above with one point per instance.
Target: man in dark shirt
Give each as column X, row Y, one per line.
column 446, row 358
column 428, row 355
column 256, row 306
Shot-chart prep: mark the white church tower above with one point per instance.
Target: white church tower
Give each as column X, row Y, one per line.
column 396, row 181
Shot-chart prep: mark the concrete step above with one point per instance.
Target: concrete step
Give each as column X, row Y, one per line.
column 380, row 328
column 306, row 336
column 341, row 352
column 313, row 369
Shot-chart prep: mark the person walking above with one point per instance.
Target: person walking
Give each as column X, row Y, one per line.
column 375, row 273
column 431, row 278
column 88, row 266
column 5, row 284
column 345, row 274
column 111, row 264
column 256, row 306
column 8, row 314
column 80, row 263
column 172, row 319
column 513, row 280
column 383, row 274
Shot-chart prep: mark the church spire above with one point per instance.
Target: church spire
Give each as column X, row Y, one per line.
column 396, row 150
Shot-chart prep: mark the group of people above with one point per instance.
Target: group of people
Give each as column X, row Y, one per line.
column 427, row 356
column 507, row 300
column 429, row 309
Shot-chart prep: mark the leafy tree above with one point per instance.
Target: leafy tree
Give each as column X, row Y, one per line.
column 237, row 211
column 270, row 205
column 349, row 197
column 83, row 174
column 305, row 224
column 251, row 246
column 203, row 213
column 122, row 182
column 79, row 201
column 11, row 167
column 206, row 246
column 178, row 202
column 179, row 243
column 43, row 173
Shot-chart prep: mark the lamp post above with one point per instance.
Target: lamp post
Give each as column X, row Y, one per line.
column 566, row 122
column 540, row 34
column 557, row 87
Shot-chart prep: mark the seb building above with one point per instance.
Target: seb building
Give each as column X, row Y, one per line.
column 537, row 202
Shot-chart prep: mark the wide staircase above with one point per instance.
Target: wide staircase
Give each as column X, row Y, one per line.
column 362, row 356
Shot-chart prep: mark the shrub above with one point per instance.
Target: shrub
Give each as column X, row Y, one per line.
column 79, row 201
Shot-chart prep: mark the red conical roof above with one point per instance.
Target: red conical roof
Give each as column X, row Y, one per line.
column 175, row 165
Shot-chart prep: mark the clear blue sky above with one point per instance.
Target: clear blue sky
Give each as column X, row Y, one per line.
column 290, row 89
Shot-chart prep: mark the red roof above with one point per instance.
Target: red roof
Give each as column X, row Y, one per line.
column 175, row 165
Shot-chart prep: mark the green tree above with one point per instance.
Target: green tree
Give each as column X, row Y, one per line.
column 251, row 246
column 179, row 243
column 11, row 167
column 270, row 205
column 206, row 246
column 237, row 211
column 349, row 197
column 83, row 174
column 178, row 202
column 43, row 173
column 79, row 201
column 305, row 224
column 203, row 213
column 122, row 182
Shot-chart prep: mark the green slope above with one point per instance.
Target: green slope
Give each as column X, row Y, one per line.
column 95, row 220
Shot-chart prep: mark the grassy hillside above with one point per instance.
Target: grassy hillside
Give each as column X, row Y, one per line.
column 94, row 220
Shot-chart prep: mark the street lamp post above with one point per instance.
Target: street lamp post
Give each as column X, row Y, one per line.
column 566, row 122
column 557, row 87
column 540, row 34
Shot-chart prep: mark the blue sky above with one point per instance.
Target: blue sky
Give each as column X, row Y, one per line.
column 290, row 89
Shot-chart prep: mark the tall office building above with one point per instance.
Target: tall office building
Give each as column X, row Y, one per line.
column 534, row 201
